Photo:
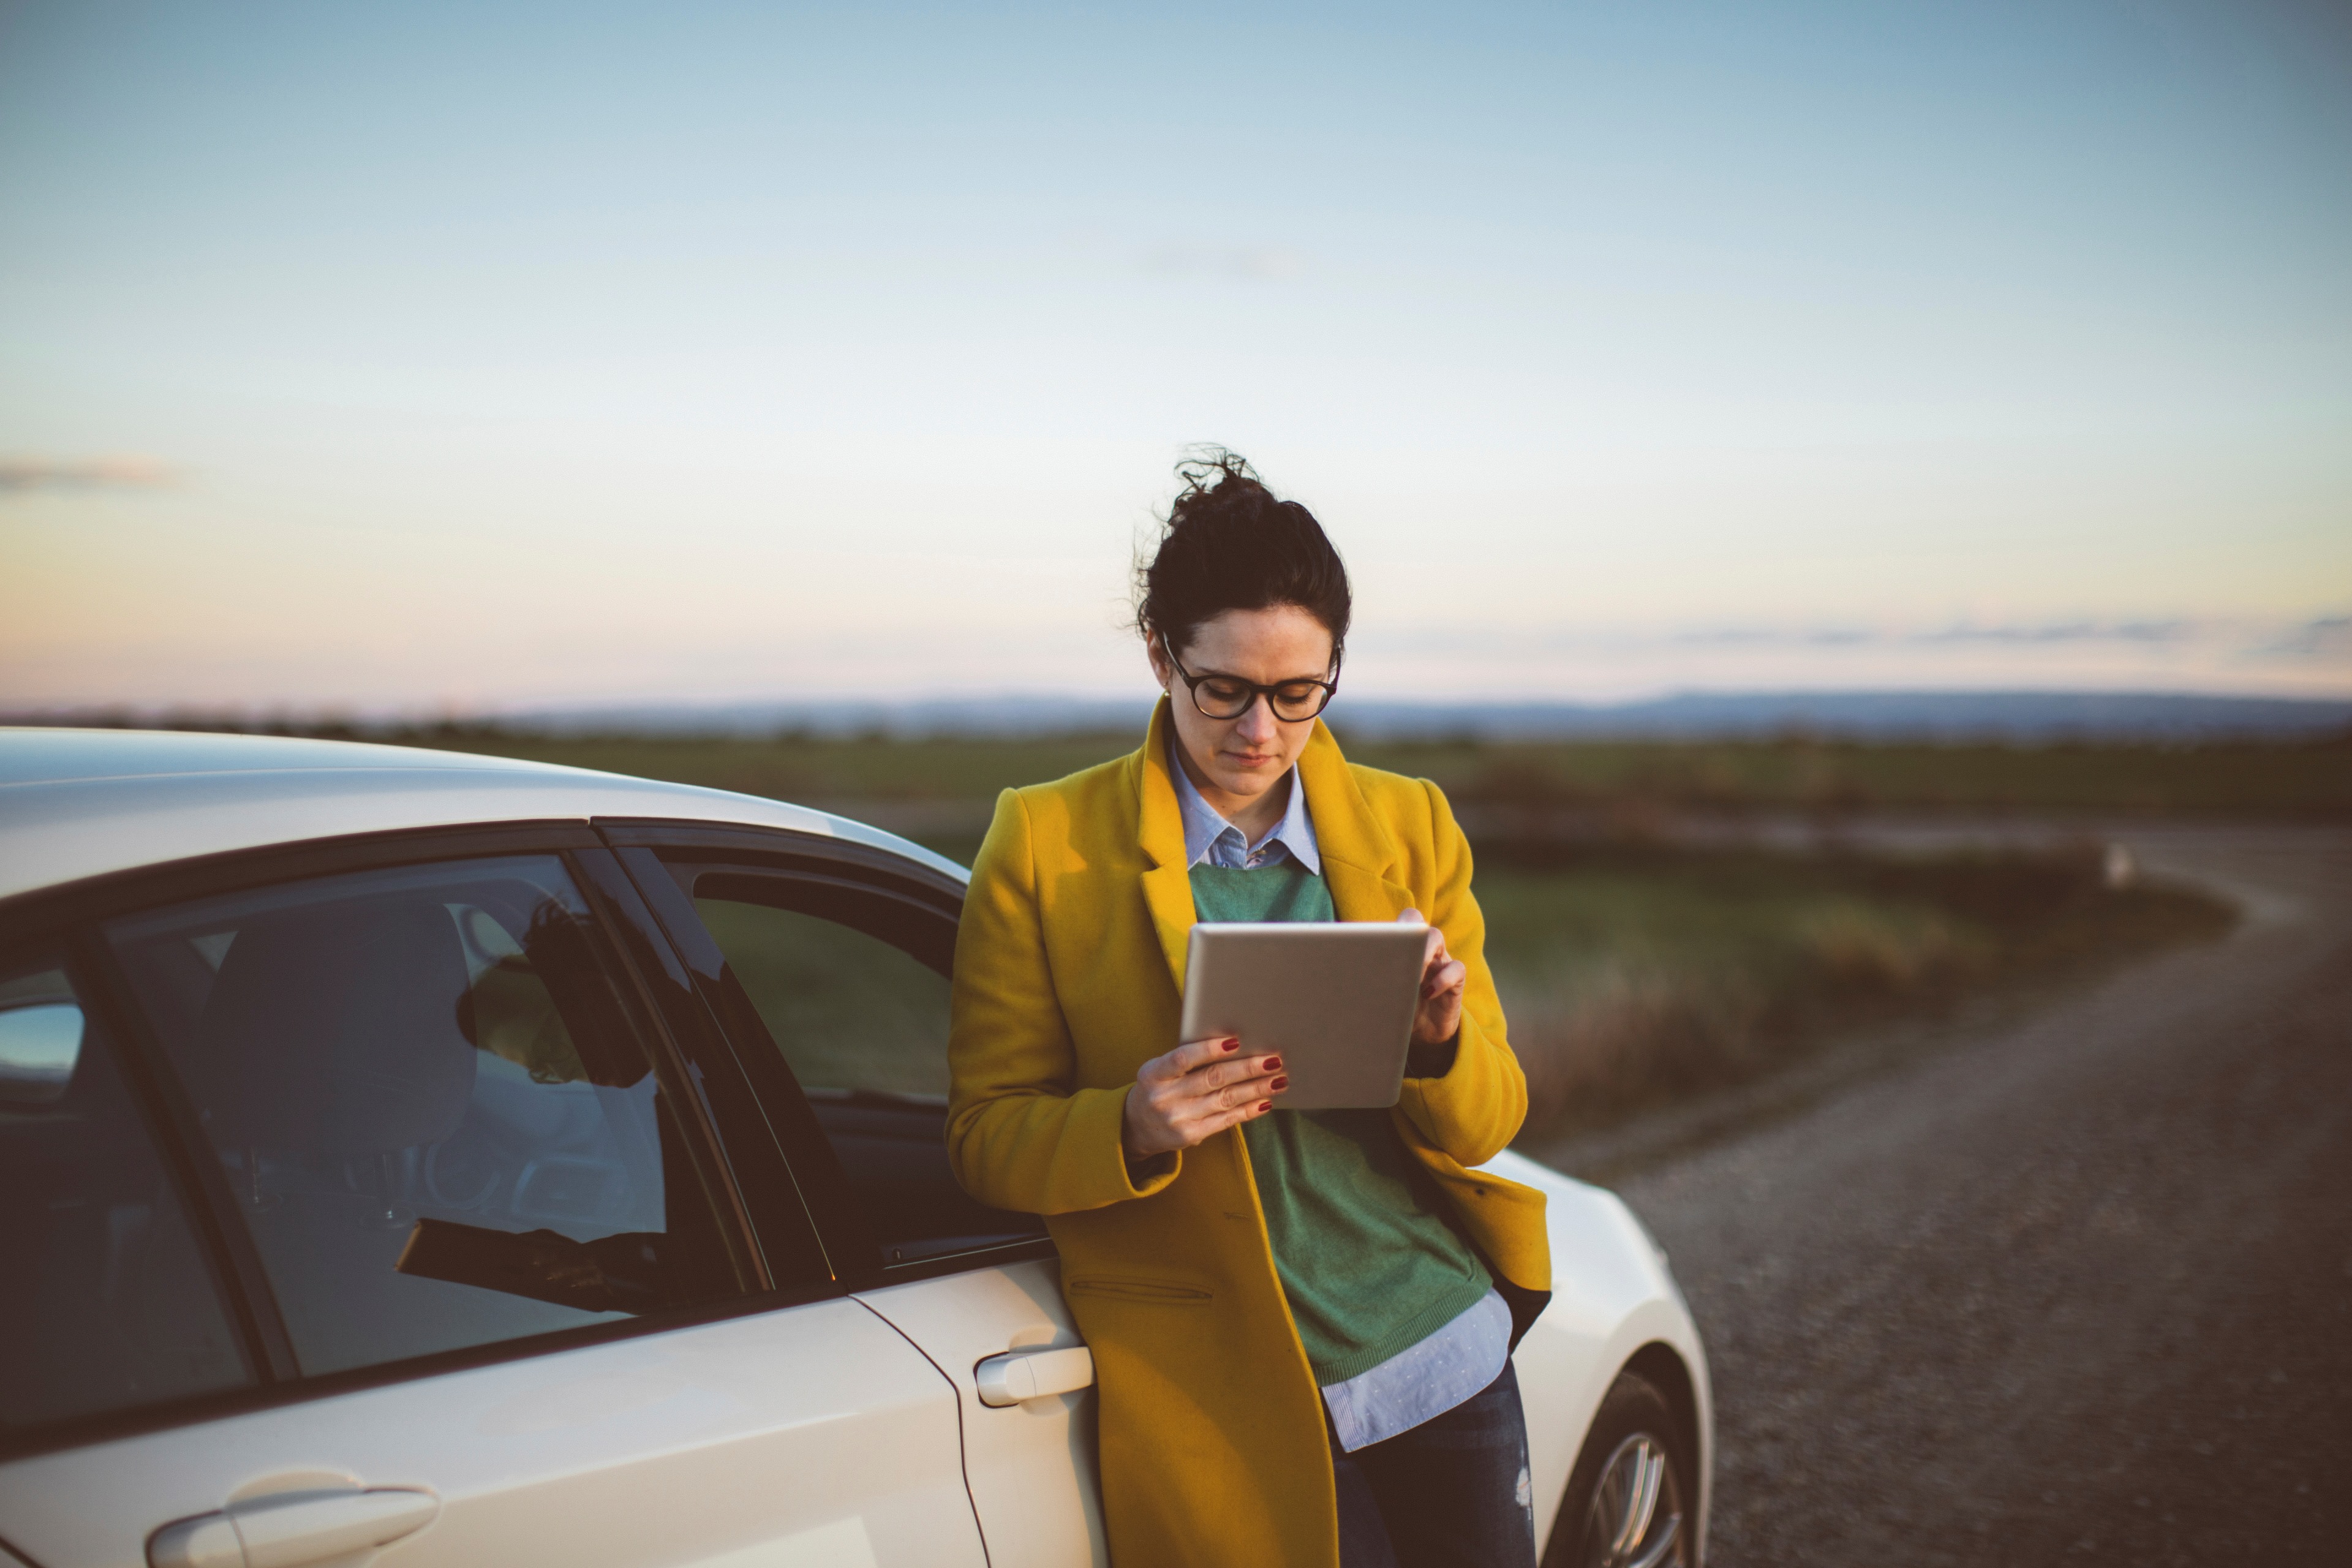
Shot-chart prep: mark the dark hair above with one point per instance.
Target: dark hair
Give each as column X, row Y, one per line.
column 1228, row 545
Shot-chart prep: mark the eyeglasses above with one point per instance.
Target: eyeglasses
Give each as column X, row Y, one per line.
column 1229, row 697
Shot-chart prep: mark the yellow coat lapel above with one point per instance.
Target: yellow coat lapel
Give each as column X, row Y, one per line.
column 1160, row 831
column 1360, row 858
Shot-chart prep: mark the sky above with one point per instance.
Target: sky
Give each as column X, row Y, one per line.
column 453, row 358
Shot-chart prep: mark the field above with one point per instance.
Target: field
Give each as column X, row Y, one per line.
column 1635, row 781
column 1641, row 961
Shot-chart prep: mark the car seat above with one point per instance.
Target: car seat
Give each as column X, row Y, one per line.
column 335, row 1031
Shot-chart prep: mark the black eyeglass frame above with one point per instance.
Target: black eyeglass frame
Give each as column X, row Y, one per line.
column 1330, row 689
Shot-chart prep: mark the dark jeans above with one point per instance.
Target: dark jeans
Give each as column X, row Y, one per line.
column 1453, row 1491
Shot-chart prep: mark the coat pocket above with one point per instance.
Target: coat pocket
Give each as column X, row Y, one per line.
column 1140, row 1291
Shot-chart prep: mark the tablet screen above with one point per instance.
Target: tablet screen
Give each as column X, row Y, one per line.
column 1335, row 1000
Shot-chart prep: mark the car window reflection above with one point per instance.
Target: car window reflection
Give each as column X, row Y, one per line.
column 442, row 1128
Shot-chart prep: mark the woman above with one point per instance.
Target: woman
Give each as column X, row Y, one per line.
column 1300, row 1321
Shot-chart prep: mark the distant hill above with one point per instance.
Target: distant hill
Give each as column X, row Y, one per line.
column 2024, row 717
column 2021, row 716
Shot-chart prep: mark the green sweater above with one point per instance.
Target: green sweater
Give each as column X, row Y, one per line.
column 1370, row 1265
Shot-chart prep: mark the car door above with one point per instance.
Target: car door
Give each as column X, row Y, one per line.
column 829, row 964
column 399, row 1195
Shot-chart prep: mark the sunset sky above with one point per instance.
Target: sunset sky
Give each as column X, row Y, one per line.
column 435, row 358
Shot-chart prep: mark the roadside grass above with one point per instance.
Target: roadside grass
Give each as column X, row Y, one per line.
column 1637, row 976
column 2240, row 779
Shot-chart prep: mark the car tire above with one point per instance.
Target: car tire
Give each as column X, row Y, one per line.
column 1631, row 1501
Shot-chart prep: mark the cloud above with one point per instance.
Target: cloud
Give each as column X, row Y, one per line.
column 2328, row 637
column 2279, row 656
column 2142, row 632
column 124, row 472
column 2136, row 633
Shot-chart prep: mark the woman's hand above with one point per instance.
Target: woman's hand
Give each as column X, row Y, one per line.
column 1199, row 1089
column 1439, row 1018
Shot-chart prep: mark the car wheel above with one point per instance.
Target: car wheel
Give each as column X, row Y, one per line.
column 1628, row 1503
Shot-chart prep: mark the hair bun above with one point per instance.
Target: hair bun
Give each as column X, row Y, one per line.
column 1230, row 544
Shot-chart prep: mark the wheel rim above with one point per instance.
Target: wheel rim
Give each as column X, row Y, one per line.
column 1635, row 1517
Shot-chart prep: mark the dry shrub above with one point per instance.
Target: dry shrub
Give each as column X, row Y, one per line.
column 1612, row 1037
column 1857, row 947
column 1620, row 1037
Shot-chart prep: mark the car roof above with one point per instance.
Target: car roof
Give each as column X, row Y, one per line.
column 82, row 803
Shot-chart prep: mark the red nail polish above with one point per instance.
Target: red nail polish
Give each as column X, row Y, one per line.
column 1265, row 1105
column 1279, row 1083
column 1232, row 1044
column 1274, row 1064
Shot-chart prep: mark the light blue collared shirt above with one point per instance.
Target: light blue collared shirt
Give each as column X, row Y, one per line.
column 1209, row 838
column 1424, row 1380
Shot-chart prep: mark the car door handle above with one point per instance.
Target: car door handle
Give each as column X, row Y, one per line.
column 290, row 1529
column 1017, row 1375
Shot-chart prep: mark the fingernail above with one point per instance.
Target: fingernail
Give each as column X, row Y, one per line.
column 1265, row 1105
column 1279, row 1083
column 1232, row 1044
column 1274, row 1064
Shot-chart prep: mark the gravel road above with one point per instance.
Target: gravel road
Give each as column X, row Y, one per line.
column 2076, row 1287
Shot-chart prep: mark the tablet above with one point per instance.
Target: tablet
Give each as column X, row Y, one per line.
column 1335, row 1000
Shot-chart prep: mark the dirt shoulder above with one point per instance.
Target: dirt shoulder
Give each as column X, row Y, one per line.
column 2075, row 1283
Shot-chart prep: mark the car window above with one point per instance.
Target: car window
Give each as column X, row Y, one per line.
column 849, row 982
column 849, row 1011
column 109, row 1301
column 440, row 1126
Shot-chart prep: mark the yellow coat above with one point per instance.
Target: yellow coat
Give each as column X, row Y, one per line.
column 1069, row 971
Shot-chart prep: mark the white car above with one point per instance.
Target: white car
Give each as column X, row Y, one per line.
column 427, row 1159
